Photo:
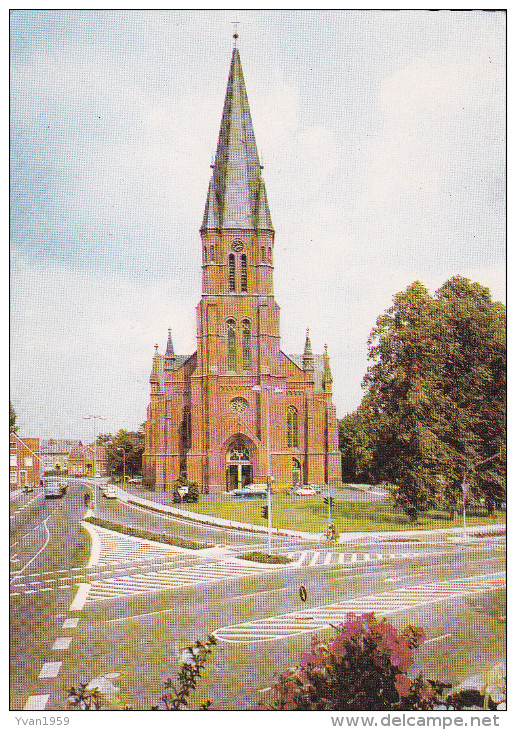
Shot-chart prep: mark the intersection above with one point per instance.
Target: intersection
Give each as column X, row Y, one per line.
column 131, row 611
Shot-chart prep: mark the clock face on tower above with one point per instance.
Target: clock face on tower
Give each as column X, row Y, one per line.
column 237, row 245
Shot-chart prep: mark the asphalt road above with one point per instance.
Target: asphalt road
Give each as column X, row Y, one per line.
column 142, row 608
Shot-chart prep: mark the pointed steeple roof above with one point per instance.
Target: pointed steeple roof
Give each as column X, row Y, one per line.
column 236, row 195
column 169, row 352
column 308, row 357
column 170, row 358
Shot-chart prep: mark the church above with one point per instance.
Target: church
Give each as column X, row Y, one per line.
column 239, row 409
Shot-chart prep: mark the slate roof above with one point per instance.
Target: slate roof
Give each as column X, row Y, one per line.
column 236, row 193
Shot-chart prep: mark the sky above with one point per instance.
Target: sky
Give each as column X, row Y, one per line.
column 382, row 135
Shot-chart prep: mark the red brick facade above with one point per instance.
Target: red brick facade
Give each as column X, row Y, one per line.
column 25, row 460
column 204, row 419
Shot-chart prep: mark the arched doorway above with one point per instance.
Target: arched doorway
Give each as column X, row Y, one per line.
column 239, row 470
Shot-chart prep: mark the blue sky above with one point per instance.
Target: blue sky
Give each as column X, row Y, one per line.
column 382, row 135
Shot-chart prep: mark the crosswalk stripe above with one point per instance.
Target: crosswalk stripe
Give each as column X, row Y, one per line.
column 161, row 580
column 286, row 625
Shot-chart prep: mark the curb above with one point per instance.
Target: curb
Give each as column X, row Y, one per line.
column 309, row 536
column 95, row 544
column 208, row 519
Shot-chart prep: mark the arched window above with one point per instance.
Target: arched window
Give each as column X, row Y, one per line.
column 212, row 253
column 270, row 255
column 243, row 272
column 205, row 255
column 292, row 428
column 231, row 344
column 263, row 253
column 232, row 280
column 246, row 344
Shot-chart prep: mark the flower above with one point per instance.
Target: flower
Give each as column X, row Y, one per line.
column 402, row 685
column 402, row 656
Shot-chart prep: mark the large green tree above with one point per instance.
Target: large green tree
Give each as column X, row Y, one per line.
column 435, row 397
column 13, row 428
column 130, row 442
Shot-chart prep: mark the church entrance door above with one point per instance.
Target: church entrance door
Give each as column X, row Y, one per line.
column 239, row 472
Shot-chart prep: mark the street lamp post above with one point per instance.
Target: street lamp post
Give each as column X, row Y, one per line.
column 465, row 485
column 270, row 389
column 123, row 451
column 94, row 419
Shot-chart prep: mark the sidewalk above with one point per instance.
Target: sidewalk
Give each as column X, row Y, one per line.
column 196, row 517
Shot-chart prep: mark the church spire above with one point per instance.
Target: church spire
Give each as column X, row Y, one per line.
column 236, row 195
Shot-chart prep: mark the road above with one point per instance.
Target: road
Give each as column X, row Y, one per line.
column 132, row 613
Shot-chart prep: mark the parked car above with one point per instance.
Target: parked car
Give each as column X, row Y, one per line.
column 135, row 480
column 251, row 490
column 54, row 487
column 110, row 492
column 305, row 491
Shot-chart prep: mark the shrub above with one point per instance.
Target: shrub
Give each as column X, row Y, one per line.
column 191, row 496
column 259, row 557
column 147, row 534
column 364, row 668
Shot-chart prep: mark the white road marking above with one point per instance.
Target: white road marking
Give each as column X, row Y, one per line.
column 44, row 523
column 437, row 638
column 50, row 670
column 80, row 597
column 162, row 580
column 71, row 623
column 36, row 702
column 63, row 642
column 301, row 622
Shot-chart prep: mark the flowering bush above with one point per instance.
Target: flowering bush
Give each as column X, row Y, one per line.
column 364, row 668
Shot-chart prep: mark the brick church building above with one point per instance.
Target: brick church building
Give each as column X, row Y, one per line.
column 213, row 414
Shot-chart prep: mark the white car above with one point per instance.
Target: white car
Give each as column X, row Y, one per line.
column 305, row 491
column 252, row 490
column 110, row 493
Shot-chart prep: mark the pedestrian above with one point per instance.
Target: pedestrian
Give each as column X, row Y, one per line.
column 86, row 499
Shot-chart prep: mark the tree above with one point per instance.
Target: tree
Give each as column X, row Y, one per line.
column 132, row 442
column 435, row 397
column 13, row 428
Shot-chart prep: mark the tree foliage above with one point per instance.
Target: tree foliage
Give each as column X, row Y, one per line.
column 13, row 428
column 133, row 443
column 435, row 398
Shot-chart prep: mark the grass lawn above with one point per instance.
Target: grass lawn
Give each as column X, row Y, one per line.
column 310, row 514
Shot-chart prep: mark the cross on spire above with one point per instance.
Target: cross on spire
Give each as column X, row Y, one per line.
column 235, row 34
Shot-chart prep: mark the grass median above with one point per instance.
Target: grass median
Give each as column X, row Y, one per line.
column 310, row 514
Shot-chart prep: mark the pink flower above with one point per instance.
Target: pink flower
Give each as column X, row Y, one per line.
column 402, row 657
column 402, row 685
column 307, row 658
column 338, row 646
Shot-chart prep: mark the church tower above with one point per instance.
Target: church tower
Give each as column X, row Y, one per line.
column 208, row 412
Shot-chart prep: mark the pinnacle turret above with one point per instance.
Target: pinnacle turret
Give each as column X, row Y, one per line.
column 328, row 379
column 308, row 357
column 155, row 373
column 236, row 194
column 170, row 357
